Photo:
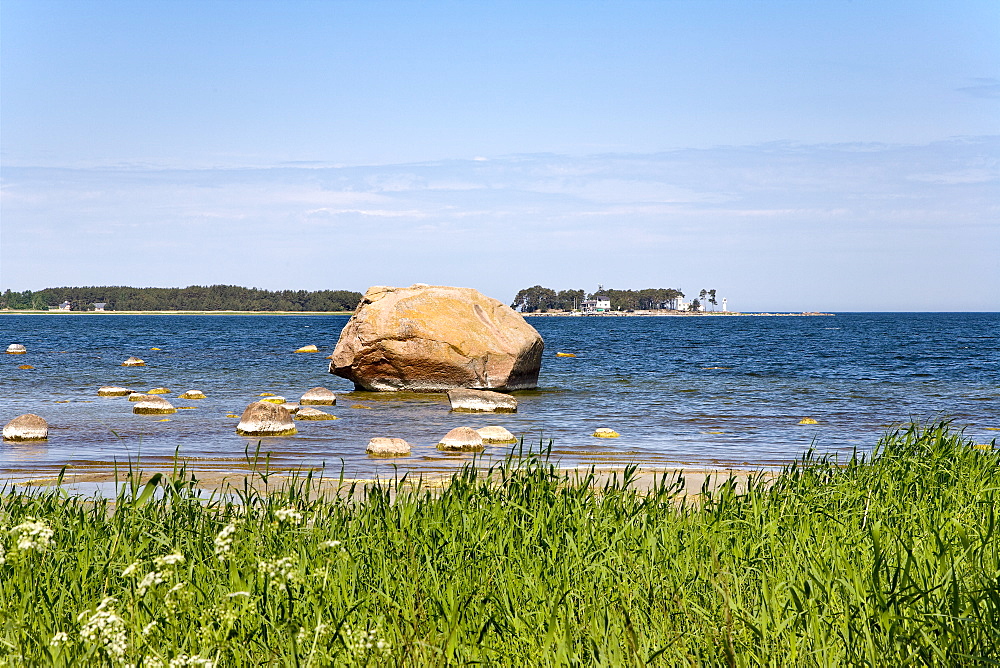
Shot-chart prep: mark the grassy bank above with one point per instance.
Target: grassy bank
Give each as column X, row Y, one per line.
column 890, row 561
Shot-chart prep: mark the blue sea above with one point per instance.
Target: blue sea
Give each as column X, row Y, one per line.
column 681, row 391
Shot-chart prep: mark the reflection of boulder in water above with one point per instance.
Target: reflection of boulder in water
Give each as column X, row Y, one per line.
column 27, row 427
column 434, row 339
column 265, row 419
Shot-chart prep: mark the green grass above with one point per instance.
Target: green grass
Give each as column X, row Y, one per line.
column 887, row 561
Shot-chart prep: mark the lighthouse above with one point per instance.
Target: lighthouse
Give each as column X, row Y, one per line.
column 724, row 307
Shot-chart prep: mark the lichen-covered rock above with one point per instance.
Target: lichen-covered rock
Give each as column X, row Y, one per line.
column 318, row 396
column 435, row 338
column 153, row 405
column 262, row 418
column 461, row 439
column 308, row 349
column 27, row 427
column 387, row 447
column 604, row 432
column 137, row 396
column 481, row 401
column 133, row 361
column 17, row 349
column 159, row 390
column 192, row 394
column 290, row 406
column 113, row 391
column 273, row 399
column 494, row 435
column 307, row 413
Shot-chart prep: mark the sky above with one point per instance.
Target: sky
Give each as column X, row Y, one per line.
column 829, row 155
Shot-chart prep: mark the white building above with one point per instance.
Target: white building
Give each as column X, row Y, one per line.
column 65, row 306
column 599, row 304
column 99, row 306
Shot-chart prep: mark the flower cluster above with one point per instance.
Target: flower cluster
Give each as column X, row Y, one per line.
column 280, row 572
column 105, row 629
column 224, row 541
column 290, row 515
column 181, row 661
column 361, row 642
column 164, row 567
column 32, row 535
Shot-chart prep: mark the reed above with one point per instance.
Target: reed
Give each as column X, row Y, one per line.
column 892, row 559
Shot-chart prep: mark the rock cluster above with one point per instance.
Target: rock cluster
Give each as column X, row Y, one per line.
column 387, row 447
column 27, row 427
column 318, row 396
column 262, row 418
column 435, row 338
column 461, row 439
column 481, row 401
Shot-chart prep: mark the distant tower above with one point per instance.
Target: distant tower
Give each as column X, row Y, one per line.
column 724, row 307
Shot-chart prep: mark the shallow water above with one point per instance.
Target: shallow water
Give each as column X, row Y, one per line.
column 701, row 391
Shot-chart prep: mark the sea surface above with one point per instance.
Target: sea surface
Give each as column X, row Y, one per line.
column 681, row 391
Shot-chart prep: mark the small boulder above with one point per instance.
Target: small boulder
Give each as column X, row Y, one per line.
column 17, row 349
column 153, row 405
column 192, row 394
column 318, row 396
column 27, row 427
column 428, row 338
column 290, row 406
column 387, row 447
column 25, row 367
column 461, row 439
column 113, row 391
column 308, row 349
column 565, row 354
column 494, row 435
column 808, row 421
column 307, row 413
column 273, row 399
column 266, row 419
column 603, row 432
column 481, row 401
column 137, row 396
column 159, row 390
column 133, row 361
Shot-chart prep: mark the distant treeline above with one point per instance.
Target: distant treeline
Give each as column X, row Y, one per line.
column 538, row 298
column 192, row 298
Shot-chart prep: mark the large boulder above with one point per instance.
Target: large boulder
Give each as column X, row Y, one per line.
column 435, row 338
column 27, row 427
column 266, row 419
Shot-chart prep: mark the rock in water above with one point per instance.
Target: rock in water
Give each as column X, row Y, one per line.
column 496, row 435
column 17, row 349
column 313, row 414
column 481, row 401
column 461, row 439
column 435, row 338
column 137, row 396
column 265, row 419
column 318, row 396
column 308, row 349
column 159, row 390
column 27, row 427
column 604, row 432
column 192, row 394
column 153, row 405
column 113, row 391
column 387, row 447
column 133, row 361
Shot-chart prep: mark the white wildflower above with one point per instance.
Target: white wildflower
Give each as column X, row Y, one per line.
column 148, row 628
column 105, row 629
column 183, row 660
column 176, row 588
column 330, row 544
column 237, row 593
column 224, row 541
column 288, row 515
column 132, row 569
column 32, row 535
column 364, row 642
column 169, row 559
column 148, row 581
column 3, row 554
column 60, row 638
column 280, row 572
column 319, row 633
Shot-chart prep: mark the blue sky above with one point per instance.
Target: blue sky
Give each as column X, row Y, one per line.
column 792, row 155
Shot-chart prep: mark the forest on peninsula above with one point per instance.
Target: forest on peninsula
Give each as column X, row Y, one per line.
column 191, row 298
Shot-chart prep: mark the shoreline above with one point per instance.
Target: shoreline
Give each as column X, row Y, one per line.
column 95, row 313
column 560, row 314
